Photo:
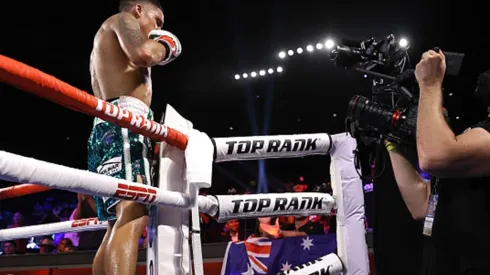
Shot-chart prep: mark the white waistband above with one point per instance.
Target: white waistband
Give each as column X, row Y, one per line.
column 134, row 105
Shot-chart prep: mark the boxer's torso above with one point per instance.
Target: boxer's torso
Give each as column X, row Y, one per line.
column 112, row 73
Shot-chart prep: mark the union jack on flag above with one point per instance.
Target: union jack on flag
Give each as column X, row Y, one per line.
column 266, row 256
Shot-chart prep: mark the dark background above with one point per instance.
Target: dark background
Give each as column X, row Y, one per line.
column 221, row 38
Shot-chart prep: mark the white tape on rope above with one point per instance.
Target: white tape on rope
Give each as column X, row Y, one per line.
column 21, row 169
column 264, row 147
column 328, row 264
column 91, row 224
column 270, row 205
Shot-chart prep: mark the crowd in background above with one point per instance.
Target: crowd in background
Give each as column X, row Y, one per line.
column 63, row 208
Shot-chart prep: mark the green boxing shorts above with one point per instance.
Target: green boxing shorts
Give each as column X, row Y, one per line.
column 119, row 153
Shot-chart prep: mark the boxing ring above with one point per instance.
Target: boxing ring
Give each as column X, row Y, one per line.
column 174, row 200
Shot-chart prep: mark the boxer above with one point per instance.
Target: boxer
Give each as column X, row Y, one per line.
column 125, row 47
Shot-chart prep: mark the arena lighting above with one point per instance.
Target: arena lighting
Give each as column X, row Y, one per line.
column 319, row 46
column 403, row 42
column 282, row 55
column 299, row 50
column 309, row 48
column 329, row 43
column 290, row 52
column 257, row 73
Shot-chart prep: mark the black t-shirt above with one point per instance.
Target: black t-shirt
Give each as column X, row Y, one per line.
column 460, row 242
column 312, row 228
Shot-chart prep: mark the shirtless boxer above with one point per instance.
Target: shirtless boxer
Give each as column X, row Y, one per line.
column 120, row 69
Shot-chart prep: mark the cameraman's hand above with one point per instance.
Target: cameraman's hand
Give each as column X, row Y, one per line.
column 430, row 70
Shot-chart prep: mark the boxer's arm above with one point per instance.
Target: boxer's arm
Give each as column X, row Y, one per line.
column 414, row 190
column 142, row 51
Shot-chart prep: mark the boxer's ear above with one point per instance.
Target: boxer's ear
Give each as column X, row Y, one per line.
column 138, row 10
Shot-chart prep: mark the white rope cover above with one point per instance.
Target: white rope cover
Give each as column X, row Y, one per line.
column 230, row 207
column 21, row 169
column 267, row 147
column 91, row 224
column 329, row 264
column 276, row 204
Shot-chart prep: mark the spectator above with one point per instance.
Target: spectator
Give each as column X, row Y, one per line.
column 21, row 244
column 62, row 244
column 232, row 232
column 73, row 236
column 69, row 248
column 88, row 240
column 8, row 248
column 46, row 245
column 303, row 224
column 52, row 215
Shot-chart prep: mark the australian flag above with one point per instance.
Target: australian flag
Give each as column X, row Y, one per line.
column 266, row 256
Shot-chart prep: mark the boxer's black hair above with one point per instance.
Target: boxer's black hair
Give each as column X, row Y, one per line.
column 125, row 5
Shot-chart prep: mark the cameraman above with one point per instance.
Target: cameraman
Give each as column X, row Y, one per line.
column 456, row 203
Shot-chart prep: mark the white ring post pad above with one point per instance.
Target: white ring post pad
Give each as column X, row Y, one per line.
column 267, row 205
column 264, row 147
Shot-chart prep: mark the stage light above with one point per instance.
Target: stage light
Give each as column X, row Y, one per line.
column 290, row 52
column 403, row 43
column 245, row 75
column 282, row 55
column 329, row 44
column 319, row 46
column 262, row 72
column 270, row 71
column 299, row 50
column 253, row 74
column 309, row 48
column 279, row 69
column 237, row 76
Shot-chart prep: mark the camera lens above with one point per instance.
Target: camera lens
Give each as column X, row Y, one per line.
column 370, row 115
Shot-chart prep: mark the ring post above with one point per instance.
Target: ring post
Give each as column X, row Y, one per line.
column 168, row 244
column 349, row 196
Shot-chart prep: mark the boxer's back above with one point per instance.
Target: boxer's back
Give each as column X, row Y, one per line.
column 112, row 73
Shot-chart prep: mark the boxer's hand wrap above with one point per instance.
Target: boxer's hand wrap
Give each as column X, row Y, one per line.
column 171, row 43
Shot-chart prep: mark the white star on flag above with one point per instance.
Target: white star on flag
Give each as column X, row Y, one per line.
column 307, row 243
column 286, row 267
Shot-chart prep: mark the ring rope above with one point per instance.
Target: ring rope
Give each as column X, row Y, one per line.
column 46, row 86
column 29, row 170
column 21, row 190
column 24, row 232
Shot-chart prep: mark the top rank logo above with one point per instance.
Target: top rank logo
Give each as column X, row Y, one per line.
column 277, row 205
column 273, row 145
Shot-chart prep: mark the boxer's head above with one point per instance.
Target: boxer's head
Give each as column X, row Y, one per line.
column 148, row 12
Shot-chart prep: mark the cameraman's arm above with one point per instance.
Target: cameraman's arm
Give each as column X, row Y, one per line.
column 414, row 190
column 443, row 154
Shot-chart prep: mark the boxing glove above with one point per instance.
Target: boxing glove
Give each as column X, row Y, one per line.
column 170, row 42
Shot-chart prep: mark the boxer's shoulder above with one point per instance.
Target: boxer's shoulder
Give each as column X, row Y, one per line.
column 112, row 22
